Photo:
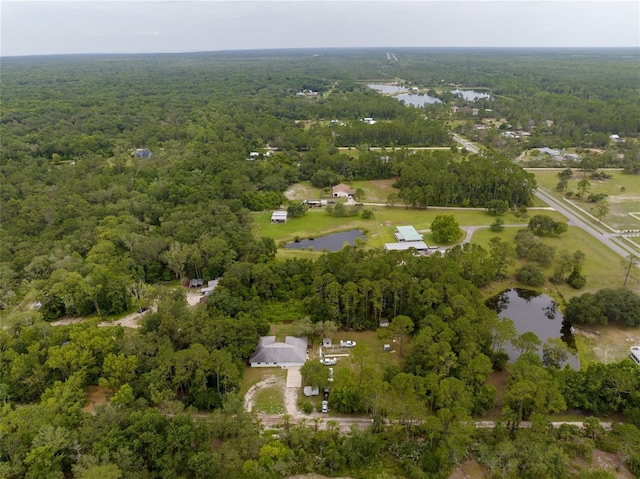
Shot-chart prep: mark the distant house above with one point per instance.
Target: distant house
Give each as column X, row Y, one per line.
column 269, row 353
column 279, row 216
column 407, row 233
column 549, row 151
column 142, row 153
column 196, row 283
column 342, row 191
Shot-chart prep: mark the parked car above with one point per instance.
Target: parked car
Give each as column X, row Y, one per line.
column 325, row 394
column 347, row 344
column 325, row 406
column 328, row 361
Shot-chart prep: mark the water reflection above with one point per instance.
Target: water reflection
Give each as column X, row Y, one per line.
column 535, row 312
column 334, row 242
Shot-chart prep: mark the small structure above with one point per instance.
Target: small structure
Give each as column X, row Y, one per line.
column 279, row 216
column 196, row 283
column 420, row 246
column 386, row 348
column 342, row 191
column 369, row 121
column 326, row 342
column 549, row 151
column 211, row 285
column 634, row 354
column 269, row 353
column 310, row 391
column 407, row 233
column 142, row 153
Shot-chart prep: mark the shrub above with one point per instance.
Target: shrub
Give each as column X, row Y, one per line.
column 531, row 275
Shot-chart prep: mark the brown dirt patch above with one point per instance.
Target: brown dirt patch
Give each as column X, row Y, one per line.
column 96, row 396
column 469, row 469
column 610, row 462
column 299, row 191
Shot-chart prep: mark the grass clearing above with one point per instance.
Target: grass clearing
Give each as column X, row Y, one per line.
column 622, row 190
column 251, row 376
column 269, row 400
column 608, row 342
column 602, row 267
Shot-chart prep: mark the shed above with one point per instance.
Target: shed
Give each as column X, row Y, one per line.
column 196, row 283
column 269, row 353
column 326, row 342
column 279, row 216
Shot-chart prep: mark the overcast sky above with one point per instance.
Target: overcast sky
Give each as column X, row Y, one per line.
column 54, row 27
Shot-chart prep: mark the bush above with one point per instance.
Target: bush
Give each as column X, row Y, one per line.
column 530, row 275
column 497, row 225
column 307, row 407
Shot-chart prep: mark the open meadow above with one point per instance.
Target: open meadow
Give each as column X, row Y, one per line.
column 622, row 190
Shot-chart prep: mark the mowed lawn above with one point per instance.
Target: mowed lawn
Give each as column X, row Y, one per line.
column 622, row 190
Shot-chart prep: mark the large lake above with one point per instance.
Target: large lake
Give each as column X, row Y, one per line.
column 471, row 95
column 401, row 94
column 331, row 243
column 535, row 312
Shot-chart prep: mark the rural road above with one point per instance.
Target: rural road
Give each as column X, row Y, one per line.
column 609, row 239
column 466, row 144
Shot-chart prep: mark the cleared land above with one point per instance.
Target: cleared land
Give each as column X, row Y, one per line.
column 622, row 190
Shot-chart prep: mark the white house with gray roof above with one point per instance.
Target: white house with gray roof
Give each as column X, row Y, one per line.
column 269, row 353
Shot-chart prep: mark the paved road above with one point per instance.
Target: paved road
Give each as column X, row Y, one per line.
column 466, row 144
column 609, row 239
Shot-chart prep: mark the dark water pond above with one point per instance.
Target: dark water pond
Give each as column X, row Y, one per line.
column 334, row 242
column 535, row 312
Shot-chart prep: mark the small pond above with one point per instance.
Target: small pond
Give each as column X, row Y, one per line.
column 471, row 95
column 535, row 312
column 331, row 243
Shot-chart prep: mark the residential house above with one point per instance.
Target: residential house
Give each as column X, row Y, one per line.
column 269, row 353
column 142, row 153
column 342, row 191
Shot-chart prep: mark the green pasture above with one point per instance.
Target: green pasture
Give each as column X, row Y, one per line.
column 623, row 194
column 381, row 227
column 602, row 267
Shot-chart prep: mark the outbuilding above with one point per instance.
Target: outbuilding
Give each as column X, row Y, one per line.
column 279, row 216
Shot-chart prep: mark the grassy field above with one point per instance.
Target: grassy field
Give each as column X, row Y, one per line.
column 623, row 194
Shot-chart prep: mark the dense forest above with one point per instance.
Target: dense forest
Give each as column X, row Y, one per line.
column 90, row 229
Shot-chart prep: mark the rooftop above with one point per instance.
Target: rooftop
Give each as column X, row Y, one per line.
column 407, row 233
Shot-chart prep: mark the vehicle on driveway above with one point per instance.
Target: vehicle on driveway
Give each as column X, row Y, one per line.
column 325, row 394
column 347, row 344
column 325, row 406
column 328, row 361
